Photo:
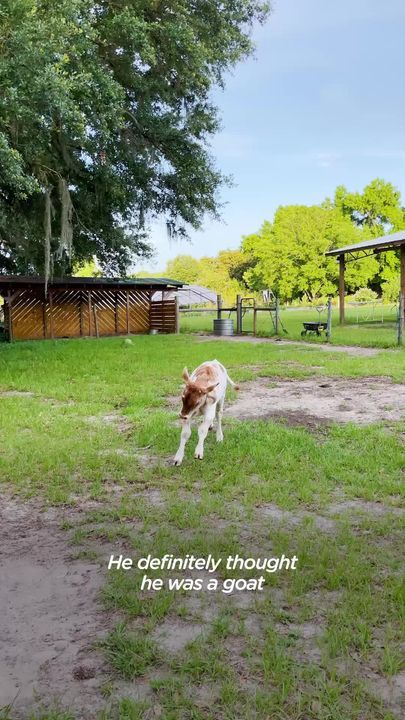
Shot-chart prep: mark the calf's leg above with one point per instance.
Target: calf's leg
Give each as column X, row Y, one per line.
column 220, row 410
column 202, row 433
column 185, row 434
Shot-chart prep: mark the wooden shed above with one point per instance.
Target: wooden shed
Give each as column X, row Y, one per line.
column 79, row 307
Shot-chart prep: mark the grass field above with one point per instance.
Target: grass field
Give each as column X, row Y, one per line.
column 367, row 325
column 89, row 427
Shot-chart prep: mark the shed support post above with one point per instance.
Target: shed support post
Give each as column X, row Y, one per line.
column 341, row 289
column 44, row 316
column 177, row 315
column 81, row 313
column 90, row 310
column 127, row 312
column 150, row 295
column 116, row 312
column 10, row 317
column 219, row 306
column 51, row 313
column 95, row 320
column 238, row 315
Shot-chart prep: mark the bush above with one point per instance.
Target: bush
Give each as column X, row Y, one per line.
column 390, row 290
column 365, row 295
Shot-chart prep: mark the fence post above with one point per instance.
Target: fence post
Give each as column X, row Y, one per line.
column 401, row 319
column 238, row 315
column 254, row 318
column 219, row 306
column 277, row 322
column 177, row 315
column 329, row 324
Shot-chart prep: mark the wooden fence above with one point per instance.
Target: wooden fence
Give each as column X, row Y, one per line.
column 66, row 313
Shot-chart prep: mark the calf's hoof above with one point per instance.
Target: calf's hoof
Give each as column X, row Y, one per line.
column 198, row 455
column 177, row 461
column 220, row 438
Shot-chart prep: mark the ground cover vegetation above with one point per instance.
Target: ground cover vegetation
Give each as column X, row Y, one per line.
column 88, row 430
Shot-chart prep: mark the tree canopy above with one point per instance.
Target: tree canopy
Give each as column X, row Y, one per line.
column 105, row 118
column 215, row 273
column 288, row 254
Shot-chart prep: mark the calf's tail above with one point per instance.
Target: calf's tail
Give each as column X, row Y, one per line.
column 231, row 382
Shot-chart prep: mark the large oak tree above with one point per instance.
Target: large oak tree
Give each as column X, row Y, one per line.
column 105, row 120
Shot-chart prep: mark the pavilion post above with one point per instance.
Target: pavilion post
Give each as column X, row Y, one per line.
column 329, row 321
column 341, row 289
column 401, row 319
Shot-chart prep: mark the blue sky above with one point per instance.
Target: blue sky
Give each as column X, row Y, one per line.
column 320, row 104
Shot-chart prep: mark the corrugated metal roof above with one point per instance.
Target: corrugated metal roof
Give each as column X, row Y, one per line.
column 387, row 242
column 100, row 281
column 190, row 295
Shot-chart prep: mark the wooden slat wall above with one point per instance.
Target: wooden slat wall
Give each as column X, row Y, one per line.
column 65, row 314
column 138, row 311
column 68, row 313
column 27, row 315
column 163, row 316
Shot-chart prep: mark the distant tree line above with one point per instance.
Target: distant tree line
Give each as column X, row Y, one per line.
column 288, row 254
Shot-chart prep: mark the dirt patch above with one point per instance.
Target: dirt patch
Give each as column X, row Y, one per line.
column 50, row 616
column 312, row 401
column 16, row 393
column 174, row 635
column 354, row 350
column 270, row 510
column 391, row 690
column 119, row 421
column 140, row 456
column 361, row 507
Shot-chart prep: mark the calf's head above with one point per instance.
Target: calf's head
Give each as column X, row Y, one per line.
column 194, row 396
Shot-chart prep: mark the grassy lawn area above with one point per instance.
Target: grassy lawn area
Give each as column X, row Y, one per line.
column 88, row 430
column 365, row 325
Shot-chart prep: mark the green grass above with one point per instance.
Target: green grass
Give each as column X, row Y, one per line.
column 130, row 653
column 97, row 408
column 364, row 325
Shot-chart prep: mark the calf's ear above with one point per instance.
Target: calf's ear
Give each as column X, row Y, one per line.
column 186, row 376
column 210, row 388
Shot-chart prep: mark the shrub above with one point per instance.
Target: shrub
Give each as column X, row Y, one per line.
column 390, row 290
column 365, row 295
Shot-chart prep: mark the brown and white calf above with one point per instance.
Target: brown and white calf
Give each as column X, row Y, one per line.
column 203, row 394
